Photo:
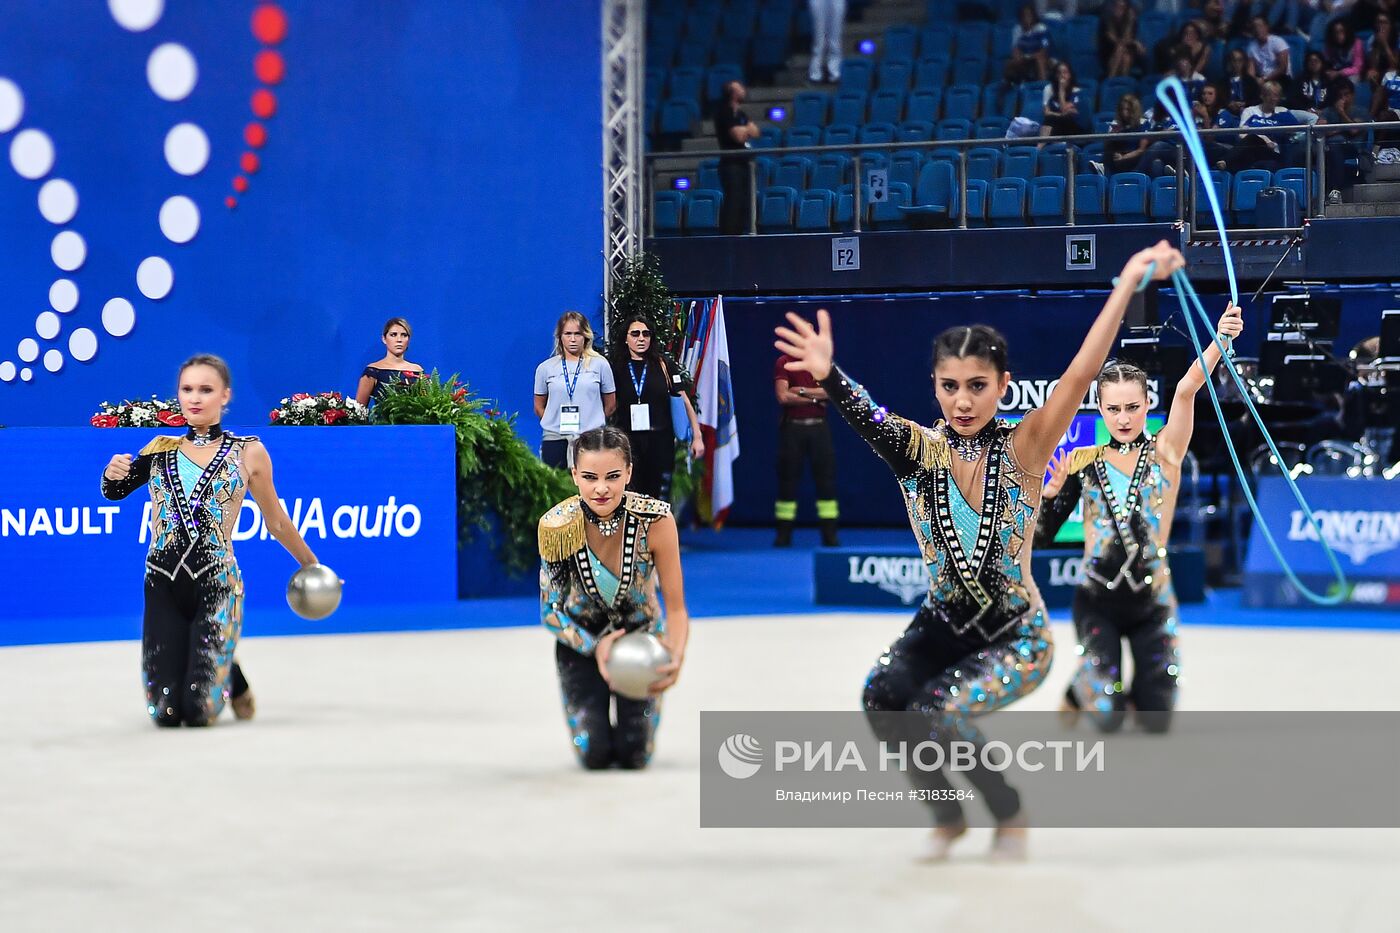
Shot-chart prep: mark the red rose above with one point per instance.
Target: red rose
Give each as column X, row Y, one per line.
column 276, row 414
column 171, row 419
column 334, row 415
column 459, row 394
column 104, row 421
column 299, row 396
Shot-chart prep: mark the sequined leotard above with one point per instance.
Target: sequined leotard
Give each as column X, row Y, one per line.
column 1127, row 588
column 581, row 600
column 193, row 588
column 980, row 640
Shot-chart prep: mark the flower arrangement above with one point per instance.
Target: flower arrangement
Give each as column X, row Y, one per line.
column 320, row 408
column 139, row 414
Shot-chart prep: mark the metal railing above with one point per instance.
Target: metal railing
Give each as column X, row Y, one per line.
column 1314, row 137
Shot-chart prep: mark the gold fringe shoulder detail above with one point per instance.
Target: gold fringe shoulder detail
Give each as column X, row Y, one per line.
column 645, row 506
column 1081, row 457
column 927, row 447
column 161, row 444
column 561, row 531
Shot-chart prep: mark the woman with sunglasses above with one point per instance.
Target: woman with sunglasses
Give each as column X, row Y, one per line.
column 644, row 413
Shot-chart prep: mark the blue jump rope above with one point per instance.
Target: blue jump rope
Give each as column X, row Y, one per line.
column 1172, row 95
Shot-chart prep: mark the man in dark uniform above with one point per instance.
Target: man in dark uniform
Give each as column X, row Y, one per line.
column 733, row 131
column 803, row 435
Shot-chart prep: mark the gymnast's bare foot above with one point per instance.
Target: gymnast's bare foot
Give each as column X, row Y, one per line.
column 941, row 841
column 1009, row 843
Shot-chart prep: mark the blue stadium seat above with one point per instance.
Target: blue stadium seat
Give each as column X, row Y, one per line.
column 936, row 39
column 845, row 201
column 931, row 72
column 767, row 56
column 738, row 19
column 1059, row 38
column 970, row 69
column 1084, row 34
column 678, row 117
column 1090, row 198
column 1296, row 179
column 775, row 19
column 1033, row 100
column 1162, row 206
column 887, row 106
column 900, row 43
column 717, row 77
column 1246, row 188
column 1047, row 201
column 814, row 212
column 804, row 136
column 730, row 50
column 686, row 83
column 874, row 133
column 984, row 163
column 809, row 108
column 1087, row 98
column 915, row 131
column 1221, row 180
column 1127, row 197
column 1054, row 160
column 666, row 212
column 1297, row 52
column 952, row 129
column 848, row 107
column 655, row 83
column 1103, row 121
column 1008, row 204
column 999, row 100
column 1001, row 36
column 694, row 52
column 830, row 171
column 1086, row 64
column 770, row 137
column 702, row 212
column 857, row 74
column 960, row 102
column 702, row 21
column 923, row 106
column 776, row 207
column 1019, row 162
column 792, row 172
column 1153, row 28
column 1111, row 90
column 890, row 214
column 935, row 195
column 894, row 75
column 977, row 202
column 708, row 175
column 904, row 167
column 839, row 134
column 992, row 127
column 973, row 39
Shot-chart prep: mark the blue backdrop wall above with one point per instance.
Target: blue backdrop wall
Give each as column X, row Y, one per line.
column 433, row 159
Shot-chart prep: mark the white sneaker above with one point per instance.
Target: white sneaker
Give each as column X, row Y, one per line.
column 940, row 843
column 1096, row 166
column 1334, row 197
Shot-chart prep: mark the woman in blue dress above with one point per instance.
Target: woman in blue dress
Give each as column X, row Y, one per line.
column 392, row 368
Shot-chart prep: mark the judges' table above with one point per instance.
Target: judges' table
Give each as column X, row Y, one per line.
column 375, row 503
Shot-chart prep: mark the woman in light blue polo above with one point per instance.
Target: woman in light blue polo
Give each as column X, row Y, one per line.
column 574, row 388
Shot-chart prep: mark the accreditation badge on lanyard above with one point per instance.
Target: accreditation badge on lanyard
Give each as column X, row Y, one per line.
column 570, row 420
column 641, row 412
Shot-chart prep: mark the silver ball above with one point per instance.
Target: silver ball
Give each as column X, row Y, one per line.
column 314, row 591
column 632, row 664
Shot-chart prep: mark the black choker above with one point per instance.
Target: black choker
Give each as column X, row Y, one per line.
column 606, row 526
column 1126, row 447
column 967, row 448
column 211, row 434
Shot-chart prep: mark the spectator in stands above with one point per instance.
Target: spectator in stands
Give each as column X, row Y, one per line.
column 1269, row 53
column 1342, row 144
column 1210, row 113
column 1242, row 88
column 1214, row 23
column 828, row 21
column 1257, row 151
column 1124, row 156
column 1030, row 49
column 1385, row 103
column 1189, row 42
column 1381, row 55
column 1062, row 116
column 1120, row 52
column 1364, row 13
column 1310, row 93
column 1342, row 51
column 574, row 388
column 1292, row 16
column 734, row 131
column 1063, row 10
column 1161, row 156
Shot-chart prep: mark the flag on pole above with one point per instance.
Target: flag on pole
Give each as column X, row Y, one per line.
column 718, row 425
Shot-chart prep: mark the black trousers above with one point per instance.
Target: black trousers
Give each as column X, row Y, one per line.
column 800, row 443
column 599, row 741
column 190, row 630
column 555, row 454
column 1102, row 623
column 734, row 212
column 653, row 462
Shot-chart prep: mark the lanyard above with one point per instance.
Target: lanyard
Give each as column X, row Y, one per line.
column 638, row 384
column 568, row 386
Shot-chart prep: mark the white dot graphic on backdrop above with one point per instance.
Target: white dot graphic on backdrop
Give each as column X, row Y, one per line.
column 53, row 360
column 118, row 317
column 31, row 153
column 136, row 15
column 46, row 325
column 69, row 251
column 26, row 374
column 171, row 71
column 11, row 108
column 7, row 371
column 82, row 344
column 154, row 277
column 187, row 149
column 63, row 296
column 58, row 201
column 179, row 219
column 29, row 349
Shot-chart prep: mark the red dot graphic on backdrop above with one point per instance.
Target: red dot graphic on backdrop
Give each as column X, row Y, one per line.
column 269, row 24
column 255, row 135
column 269, row 67
column 263, row 103
column 249, row 163
column 240, row 184
column 231, row 201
